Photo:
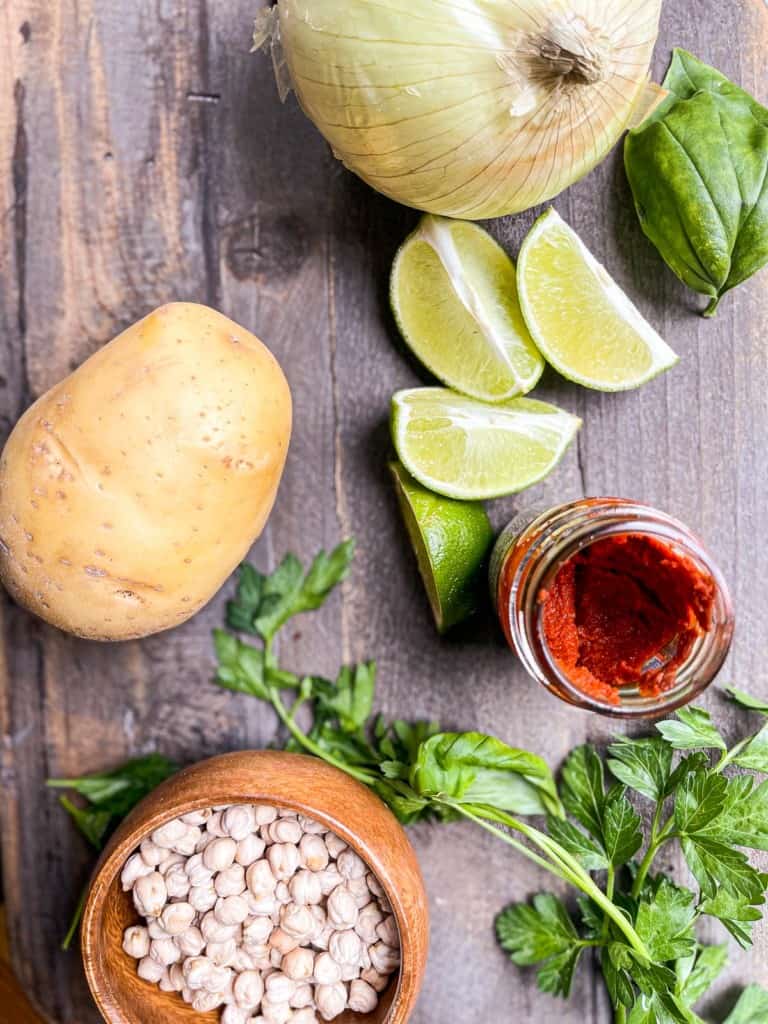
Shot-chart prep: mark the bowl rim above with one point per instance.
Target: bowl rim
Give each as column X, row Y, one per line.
column 135, row 827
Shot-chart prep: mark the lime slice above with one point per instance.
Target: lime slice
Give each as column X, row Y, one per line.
column 469, row 450
column 582, row 322
column 451, row 540
column 454, row 296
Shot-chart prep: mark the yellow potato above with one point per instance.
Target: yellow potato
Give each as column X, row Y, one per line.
column 132, row 489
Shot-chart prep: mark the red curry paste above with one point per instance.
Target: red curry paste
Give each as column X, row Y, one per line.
column 626, row 610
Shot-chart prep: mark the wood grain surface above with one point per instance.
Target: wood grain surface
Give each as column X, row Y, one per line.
column 145, row 156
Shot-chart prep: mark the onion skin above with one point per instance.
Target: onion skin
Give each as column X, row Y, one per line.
column 473, row 108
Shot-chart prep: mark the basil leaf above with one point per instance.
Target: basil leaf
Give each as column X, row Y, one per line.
column 698, row 169
column 476, row 769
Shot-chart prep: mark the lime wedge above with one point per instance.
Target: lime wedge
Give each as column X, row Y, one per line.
column 454, row 295
column 451, row 540
column 583, row 323
column 469, row 450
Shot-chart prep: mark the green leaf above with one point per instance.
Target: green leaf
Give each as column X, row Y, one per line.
column 744, row 821
column 648, row 1010
column 700, row 799
column 472, row 768
column 735, row 912
column 288, row 592
column 350, row 698
column 621, row 828
column 715, row 865
column 693, row 730
column 617, row 978
column 696, row 974
column 755, row 755
column 645, row 765
column 241, row 666
column 697, row 168
column 752, row 1007
column 576, row 842
column 118, row 791
column 94, row 824
column 264, row 603
column 747, row 701
column 406, row 805
column 539, row 932
column 665, row 922
column 583, row 789
column 242, row 611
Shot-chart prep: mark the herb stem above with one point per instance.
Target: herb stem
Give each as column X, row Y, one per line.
column 658, row 838
column 75, row 922
column 301, row 737
column 729, row 755
column 508, row 839
column 620, row 1015
column 567, row 867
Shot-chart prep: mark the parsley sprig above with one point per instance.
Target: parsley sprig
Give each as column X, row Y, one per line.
column 588, row 831
column 106, row 799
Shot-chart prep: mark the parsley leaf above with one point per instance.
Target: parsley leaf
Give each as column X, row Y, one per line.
column 715, row 865
column 583, row 789
column 644, row 765
column 264, row 603
column 755, row 755
column 241, row 666
column 91, row 822
column 700, row 799
column 747, row 701
column 752, row 1007
column 693, row 730
column 621, row 828
column 665, row 922
column 577, row 843
column 539, row 932
column 695, row 974
column 118, row 791
column 350, row 698
column 735, row 912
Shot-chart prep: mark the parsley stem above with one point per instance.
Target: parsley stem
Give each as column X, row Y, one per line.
column 563, row 865
column 658, row 838
column 729, row 755
column 620, row 1015
column 301, row 737
column 75, row 922
column 505, row 837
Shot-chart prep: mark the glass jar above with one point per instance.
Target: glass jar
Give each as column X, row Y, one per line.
column 534, row 547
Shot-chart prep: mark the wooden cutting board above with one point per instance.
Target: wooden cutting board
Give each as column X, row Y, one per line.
column 145, row 156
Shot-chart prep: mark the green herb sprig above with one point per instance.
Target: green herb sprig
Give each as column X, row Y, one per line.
column 641, row 926
column 108, row 797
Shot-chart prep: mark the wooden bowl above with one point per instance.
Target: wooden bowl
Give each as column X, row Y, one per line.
column 292, row 781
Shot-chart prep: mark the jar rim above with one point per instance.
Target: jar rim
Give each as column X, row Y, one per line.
column 554, row 537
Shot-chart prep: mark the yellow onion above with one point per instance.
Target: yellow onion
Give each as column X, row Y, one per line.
column 468, row 108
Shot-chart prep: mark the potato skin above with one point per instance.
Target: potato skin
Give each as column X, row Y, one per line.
column 132, row 489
